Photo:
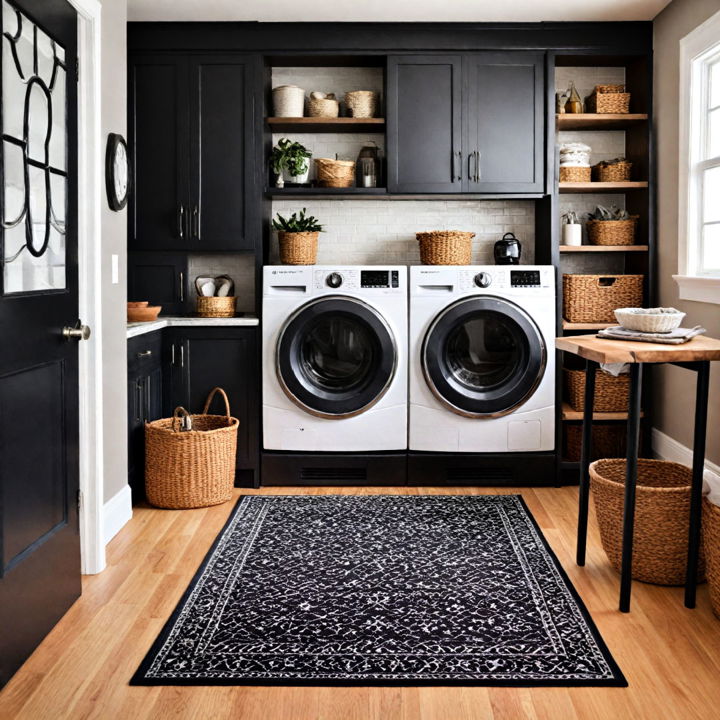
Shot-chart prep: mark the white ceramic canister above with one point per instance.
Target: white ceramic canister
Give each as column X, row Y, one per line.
column 572, row 234
column 288, row 101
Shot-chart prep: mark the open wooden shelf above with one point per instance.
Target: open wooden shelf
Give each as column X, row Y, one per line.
column 603, row 248
column 569, row 414
column 592, row 121
column 326, row 125
column 566, row 325
column 355, row 193
column 602, row 187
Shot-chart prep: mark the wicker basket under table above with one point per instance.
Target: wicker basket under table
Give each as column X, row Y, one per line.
column 612, row 394
column 593, row 298
column 608, row 441
column 711, row 544
column 445, row 247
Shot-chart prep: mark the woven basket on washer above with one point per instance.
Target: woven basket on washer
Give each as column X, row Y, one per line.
column 323, row 107
column 216, row 307
column 612, row 172
column 361, row 103
column 607, row 99
column 445, row 247
column 592, row 298
column 298, row 248
column 662, row 517
column 612, row 394
column 612, row 232
column 575, row 174
column 195, row 468
column 335, row 173
column 711, row 544
column 608, row 441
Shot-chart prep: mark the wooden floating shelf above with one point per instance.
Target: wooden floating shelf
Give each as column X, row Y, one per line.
column 603, row 248
column 566, row 325
column 569, row 414
column 601, row 187
column 326, row 125
column 316, row 192
column 591, row 121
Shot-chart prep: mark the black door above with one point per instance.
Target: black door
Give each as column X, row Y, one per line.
column 424, row 124
column 158, row 117
column 483, row 356
column 222, row 146
column 336, row 357
column 39, row 534
column 503, row 110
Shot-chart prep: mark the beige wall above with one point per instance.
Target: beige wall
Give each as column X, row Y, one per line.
column 676, row 390
column 114, row 242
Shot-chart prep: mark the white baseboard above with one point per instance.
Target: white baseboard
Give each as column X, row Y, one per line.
column 116, row 512
column 668, row 449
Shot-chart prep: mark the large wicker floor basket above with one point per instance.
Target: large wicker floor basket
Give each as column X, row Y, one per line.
column 191, row 468
column 711, row 543
column 662, row 517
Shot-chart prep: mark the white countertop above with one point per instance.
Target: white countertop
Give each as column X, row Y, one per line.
column 141, row 328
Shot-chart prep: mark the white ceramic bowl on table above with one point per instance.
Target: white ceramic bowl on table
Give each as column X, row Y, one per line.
column 653, row 320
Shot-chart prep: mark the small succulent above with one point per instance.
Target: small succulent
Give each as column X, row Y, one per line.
column 297, row 222
column 570, row 218
column 611, row 213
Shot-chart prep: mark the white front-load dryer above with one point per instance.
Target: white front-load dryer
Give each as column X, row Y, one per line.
column 334, row 355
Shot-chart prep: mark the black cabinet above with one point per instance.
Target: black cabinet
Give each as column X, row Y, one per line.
column 192, row 125
column 160, row 278
column 201, row 358
column 466, row 123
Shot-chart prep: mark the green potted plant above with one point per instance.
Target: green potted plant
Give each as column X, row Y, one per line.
column 290, row 162
column 298, row 238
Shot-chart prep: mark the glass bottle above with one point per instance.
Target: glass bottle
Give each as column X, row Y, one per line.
column 574, row 102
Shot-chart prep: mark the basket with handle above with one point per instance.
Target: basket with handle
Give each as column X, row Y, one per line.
column 593, row 298
column 191, row 468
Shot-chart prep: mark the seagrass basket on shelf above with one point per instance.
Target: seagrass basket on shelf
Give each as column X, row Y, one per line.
column 216, row 307
column 711, row 544
column 327, row 107
column 335, row 173
column 608, row 99
column 612, row 394
column 361, row 103
column 445, row 247
column 593, row 298
column 612, row 232
column 298, row 248
column 662, row 518
column 608, row 441
column 615, row 171
column 575, row 174
column 191, row 468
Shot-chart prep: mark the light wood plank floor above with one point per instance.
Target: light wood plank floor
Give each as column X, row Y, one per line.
column 670, row 655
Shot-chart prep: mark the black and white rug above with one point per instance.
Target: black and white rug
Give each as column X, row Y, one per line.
column 380, row 590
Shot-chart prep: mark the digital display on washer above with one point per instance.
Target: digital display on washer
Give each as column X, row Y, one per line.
column 525, row 278
column 379, row 278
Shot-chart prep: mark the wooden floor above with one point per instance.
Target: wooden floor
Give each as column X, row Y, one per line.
column 670, row 655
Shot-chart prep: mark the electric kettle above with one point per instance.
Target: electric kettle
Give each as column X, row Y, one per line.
column 507, row 251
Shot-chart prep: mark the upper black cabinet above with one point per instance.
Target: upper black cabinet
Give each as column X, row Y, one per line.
column 466, row 123
column 192, row 135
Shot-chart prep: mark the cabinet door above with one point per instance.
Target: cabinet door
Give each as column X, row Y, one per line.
column 503, row 111
column 160, row 278
column 222, row 152
column 136, row 437
column 158, row 118
column 424, row 124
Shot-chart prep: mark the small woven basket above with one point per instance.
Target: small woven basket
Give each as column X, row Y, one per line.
column 608, row 441
column 335, row 173
column 575, row 174
column 593, row 298
column 445, row 247
column 216, row 307
column 612, row 232
column 611, row 393
column 614, row 172
column 323, row 107
column 608, row 99
column 288, row 101
column 361, row 103
column 195, row 468
column 662, row 518
column 711, row 544
column 299, row 248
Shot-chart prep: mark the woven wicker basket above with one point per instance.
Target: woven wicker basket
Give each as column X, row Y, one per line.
column 323, row 107
column 195, row 468
column 612, row 232
column 662, row 515
column 361, row 103
column 608, row 99
column 711, row 544
column 575, row 174
column 335, row 173
column 593, row 298
column 288, row 101
column 298, row 248
column 445, row 247
column 611, row 393
column 608, row 441
column 615, row 172
column 216, row 307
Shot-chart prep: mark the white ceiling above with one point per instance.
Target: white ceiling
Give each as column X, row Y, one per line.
column 395, row 10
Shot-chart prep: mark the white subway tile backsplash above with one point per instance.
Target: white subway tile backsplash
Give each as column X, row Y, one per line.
column 239, row 266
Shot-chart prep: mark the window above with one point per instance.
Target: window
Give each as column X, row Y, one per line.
column 699, row 201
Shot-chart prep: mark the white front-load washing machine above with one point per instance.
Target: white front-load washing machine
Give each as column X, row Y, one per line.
column 334, row 355
column 482, row 374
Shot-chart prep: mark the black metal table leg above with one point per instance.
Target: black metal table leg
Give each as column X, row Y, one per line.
column 633, row 438
column 586, row 454
column 701, row 403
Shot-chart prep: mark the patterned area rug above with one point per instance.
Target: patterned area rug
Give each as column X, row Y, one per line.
column 380, row 590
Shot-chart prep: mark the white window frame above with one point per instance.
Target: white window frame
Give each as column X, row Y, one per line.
column 695, row 49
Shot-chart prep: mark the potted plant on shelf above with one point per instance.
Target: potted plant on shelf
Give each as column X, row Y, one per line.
column 298, row 238
column 571, row 229
column 290, row 162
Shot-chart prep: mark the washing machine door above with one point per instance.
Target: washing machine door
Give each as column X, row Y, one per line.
column 483, row 356
column 336, row 357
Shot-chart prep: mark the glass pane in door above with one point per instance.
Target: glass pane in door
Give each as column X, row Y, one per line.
column 34, row 156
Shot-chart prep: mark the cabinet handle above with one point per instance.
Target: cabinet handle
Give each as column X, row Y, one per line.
column 172, row 354
column 144, row 353
column 182, row 287
column 456, row 163
column 146, row 408
column 182, row 355
column 196, row 222
column 138, row 400
column 181, row 222
column 478, row 170
column 471, row 174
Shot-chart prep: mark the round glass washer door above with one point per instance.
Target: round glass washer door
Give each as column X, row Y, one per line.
column 336, row 357
column 483, row 357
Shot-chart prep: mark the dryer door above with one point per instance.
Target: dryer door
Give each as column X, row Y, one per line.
column 336, row 357
column 483, row 356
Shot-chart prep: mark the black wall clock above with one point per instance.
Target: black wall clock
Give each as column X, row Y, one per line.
column 117, row 172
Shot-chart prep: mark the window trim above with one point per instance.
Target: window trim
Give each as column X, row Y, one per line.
column 692, row 285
